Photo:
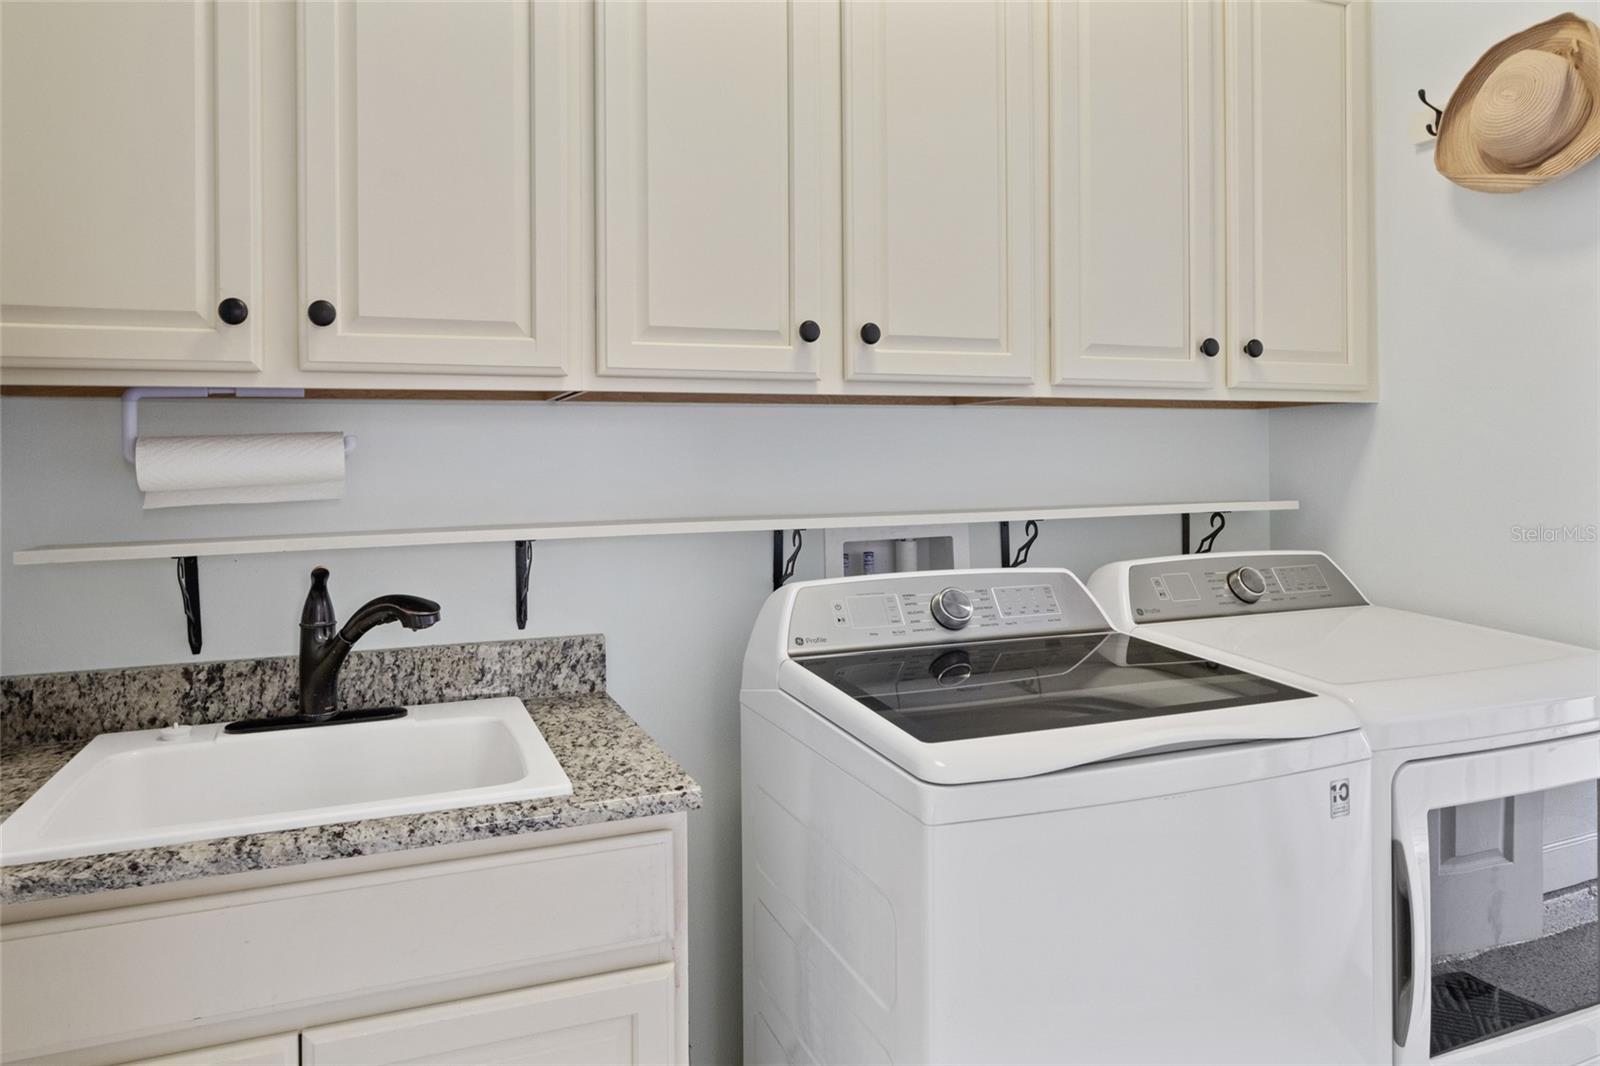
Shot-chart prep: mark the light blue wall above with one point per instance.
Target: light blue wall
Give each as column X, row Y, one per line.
column 676, row 611
column 1489, row 342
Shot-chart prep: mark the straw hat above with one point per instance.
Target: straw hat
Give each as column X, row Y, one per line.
column 1527, row 112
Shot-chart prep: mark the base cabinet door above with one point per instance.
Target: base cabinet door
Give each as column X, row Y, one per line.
column 618, row 1018
column 1300, row 193
column 718, row 229
column 130, row 188
column 440, row 206
column 280, row 1050
column 945, row 176
column 1137, row 205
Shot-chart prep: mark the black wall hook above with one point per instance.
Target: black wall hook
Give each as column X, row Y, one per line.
column 1432, row 127
column 1031, row 528
column 1219, row 522
column 189, row 590
column 783, row 569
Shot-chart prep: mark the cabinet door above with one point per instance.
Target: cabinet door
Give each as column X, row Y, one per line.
column 1300, row 265
column 282, row 1050
column 945, row 189
column 618, row 1018
column 719, row 188
column 1137, row 194
column 130, row 187
column 440, row 212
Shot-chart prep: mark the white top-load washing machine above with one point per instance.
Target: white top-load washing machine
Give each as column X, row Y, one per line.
column 1485, row 757
column 979, row 826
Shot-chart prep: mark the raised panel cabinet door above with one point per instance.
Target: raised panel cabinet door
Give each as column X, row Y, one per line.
column 718, row 158
column 1137, row 193
column 129, row 186
column 946, row 202
column 1300, row 240
column 441, row 216
column 281, row 1050
column 614, row 1019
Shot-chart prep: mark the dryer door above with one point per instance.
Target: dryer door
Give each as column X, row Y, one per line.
column 1496, row 949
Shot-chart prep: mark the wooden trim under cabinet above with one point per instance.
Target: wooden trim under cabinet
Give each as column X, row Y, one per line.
column 851, row 400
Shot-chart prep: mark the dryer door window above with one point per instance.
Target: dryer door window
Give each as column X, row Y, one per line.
column 1496, row 895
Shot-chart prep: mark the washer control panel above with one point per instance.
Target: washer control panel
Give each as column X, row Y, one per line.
column 1206, row 587
column 937, row 607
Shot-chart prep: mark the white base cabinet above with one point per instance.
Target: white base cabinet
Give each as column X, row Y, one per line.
column 613, row 1019
column 280, row 1050
column 562, row 946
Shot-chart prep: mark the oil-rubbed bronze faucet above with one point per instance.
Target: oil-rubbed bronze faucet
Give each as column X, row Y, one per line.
column 323, row 648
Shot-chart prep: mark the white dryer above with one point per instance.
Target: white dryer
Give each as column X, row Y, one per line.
column 979, row 826
column 1485, row 759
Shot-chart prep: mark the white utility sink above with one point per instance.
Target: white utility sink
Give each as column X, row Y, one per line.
column 141, row 789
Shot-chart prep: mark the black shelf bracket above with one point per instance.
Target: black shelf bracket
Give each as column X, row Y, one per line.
column 524, row 569
column 783, row 567
column 189, row 590
column 1007, row 560
column 1218, row 521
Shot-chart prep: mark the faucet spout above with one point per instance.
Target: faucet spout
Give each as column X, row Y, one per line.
column 323, row 649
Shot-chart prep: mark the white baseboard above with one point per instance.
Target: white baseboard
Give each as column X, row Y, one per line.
column 1570, row 862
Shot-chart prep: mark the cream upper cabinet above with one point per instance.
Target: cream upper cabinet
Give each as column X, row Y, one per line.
column 440, row 206
column 717, row 130
column 945, row 175
column 130, row 188
column 617, row 1019
column 1137, row 193
column 1300, row 198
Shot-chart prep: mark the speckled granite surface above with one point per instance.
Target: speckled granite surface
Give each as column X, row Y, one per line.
column 617, row 772
column 50, row 708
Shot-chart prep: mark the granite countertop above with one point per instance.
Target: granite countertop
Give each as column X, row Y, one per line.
column 617, row 772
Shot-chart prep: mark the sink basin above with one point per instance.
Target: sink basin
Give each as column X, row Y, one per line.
column 148, row 788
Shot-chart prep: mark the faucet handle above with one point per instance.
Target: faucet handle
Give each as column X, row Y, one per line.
column 318, row 610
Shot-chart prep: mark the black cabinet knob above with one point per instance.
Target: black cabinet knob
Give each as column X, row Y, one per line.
column 810, row 331
column 233, row 311
column 871, row 333
column 1209, row 347
column 1253, row 348
column 321, row 313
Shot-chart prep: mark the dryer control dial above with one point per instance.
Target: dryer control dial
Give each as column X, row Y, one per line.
column 951, row 608
column 1247, row 584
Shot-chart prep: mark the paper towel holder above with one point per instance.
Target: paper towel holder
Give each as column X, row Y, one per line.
column 131, row 398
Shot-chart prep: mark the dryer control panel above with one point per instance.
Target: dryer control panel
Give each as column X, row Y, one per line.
column 936, row 607
column 1205, row 586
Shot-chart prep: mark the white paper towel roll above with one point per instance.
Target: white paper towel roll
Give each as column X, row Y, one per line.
column 256, row 468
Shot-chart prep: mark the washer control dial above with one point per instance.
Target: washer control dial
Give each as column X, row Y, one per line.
column 1247, row 584
column 951, row 608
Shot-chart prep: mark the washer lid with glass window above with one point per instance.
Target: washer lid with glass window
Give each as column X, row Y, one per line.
column 990, row 675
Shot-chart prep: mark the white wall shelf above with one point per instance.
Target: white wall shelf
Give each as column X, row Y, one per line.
column 405, row 538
